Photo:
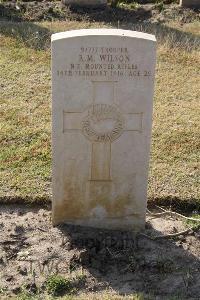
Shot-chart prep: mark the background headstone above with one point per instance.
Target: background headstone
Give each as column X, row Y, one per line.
column 190, row 3
column 102, row 89
column 86, row 3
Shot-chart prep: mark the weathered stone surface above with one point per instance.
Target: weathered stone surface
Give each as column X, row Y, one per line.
column 86, row 3
column 102, row 89
column 190, row 3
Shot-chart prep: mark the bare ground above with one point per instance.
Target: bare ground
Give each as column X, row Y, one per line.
column 55, row 10
column 95, row 260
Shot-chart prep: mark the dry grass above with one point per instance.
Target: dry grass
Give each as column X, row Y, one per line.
column 176, row 127
column 193, row 28
column 25, row 133
column 26, row 102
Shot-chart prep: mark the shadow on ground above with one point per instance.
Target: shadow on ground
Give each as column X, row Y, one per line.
column 126, row 262
column 183, row 205
column 38, row 37
column 56, row 10
column 175, row 203
column 26, row 201
column 28, row 34
column 52, row 11
column 131, row 263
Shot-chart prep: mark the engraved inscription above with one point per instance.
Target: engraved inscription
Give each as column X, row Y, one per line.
column 104, row 123
column 103, row 62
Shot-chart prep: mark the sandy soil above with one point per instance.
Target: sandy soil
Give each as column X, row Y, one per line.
column 31, row 250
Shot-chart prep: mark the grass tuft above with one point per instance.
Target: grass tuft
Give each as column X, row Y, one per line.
column 57, row 285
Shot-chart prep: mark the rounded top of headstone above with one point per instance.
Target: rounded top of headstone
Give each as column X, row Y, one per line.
column 102, row 32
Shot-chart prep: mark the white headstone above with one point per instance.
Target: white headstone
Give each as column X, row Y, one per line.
column 102, row 89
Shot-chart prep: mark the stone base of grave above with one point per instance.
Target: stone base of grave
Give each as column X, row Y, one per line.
column 190, row 3
column 86, row 3
column 131, row 223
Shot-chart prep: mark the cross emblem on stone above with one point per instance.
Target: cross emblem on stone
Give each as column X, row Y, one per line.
column 102, row 123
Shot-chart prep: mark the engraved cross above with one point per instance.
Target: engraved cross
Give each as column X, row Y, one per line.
column 102, row 125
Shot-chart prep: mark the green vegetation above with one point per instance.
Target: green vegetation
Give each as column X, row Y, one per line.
column 26, row 296
column 57, row 285
column 2, row 290
column 26, row 111
column 193, row 224
column 125, row 4
column 107, row 295
column 134, row 4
